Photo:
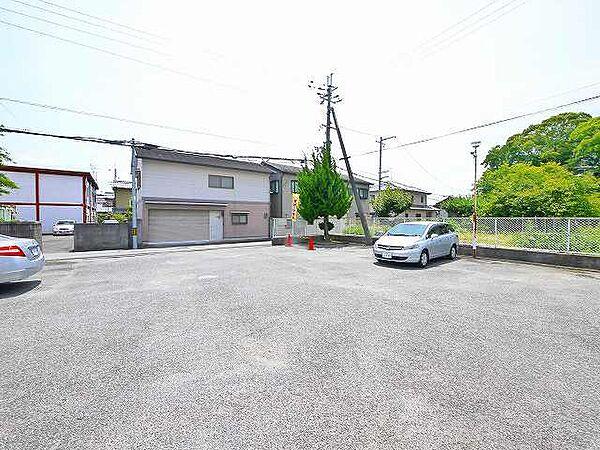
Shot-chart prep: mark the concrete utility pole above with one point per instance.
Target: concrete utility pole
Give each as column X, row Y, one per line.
column 361, row 213
column 328, row 100
column 381, row 141
column 327, row 96
column 475, row 146
column 134, row 188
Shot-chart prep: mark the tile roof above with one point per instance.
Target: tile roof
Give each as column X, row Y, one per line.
column 288, row 168
column 199, row 159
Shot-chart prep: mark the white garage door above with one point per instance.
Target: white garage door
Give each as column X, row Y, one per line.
column 177, row 225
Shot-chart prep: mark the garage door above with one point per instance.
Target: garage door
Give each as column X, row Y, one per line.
column 177, row 225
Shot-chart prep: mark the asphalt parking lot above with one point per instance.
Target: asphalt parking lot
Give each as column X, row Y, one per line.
column 57, row 244
column 271, row 347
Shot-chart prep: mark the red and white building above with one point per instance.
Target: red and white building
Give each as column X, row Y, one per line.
column 48, row 195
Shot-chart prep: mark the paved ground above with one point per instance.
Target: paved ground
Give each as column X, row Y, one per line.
column 57, row 244
column 260, row 347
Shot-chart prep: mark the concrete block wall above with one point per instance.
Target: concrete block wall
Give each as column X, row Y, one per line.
column 31, row 230
column 101, row 236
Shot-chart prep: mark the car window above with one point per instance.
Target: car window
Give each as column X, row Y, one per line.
column 436, row 229
column 407, row 229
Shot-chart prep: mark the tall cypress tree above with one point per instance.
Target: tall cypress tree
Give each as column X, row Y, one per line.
column 323, row 192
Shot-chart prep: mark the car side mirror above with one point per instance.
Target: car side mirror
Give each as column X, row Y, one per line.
column 433, row 235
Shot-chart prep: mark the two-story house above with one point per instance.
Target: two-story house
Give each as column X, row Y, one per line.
column 190, row 198
column 284, row 183
column 419, row 208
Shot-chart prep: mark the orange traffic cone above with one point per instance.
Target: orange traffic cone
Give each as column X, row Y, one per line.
column 289, row 242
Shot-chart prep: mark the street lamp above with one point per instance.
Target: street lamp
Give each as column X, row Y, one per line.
column 475, row 146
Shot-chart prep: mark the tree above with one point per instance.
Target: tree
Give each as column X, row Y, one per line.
column 391, row 202
column 6, row 184
column 538, row 191
column 548, row 141
column 461, row 206
column 586, row 155
column 323, row 192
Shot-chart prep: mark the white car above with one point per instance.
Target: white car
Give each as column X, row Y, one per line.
column 416, row 242
column 62, row 227
column 19, row 258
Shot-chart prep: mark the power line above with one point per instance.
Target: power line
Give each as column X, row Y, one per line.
column 360, row 132
column 68, row 27
column 440, row 46
column 445, row 30
column 119, row 55
column 484, row 125
column 136, row 122
column 102, row 19
column 128, row 143
column 39, row 8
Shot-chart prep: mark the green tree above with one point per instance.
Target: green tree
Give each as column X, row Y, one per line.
column 461, row 206
column 6, row 184
column 323, row 192
column 548, row 141
column 538, row 191
column 391, row 202
column 586, row 155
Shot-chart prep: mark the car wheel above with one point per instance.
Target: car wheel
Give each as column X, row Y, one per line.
column 452, row 254
column 424, row 259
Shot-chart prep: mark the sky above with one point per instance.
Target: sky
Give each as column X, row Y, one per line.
column 241, row 69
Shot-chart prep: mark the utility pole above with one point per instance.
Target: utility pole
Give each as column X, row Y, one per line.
column 346, row 158
column 381, row 141
column 326, row 94
column 134, row 188
column 475, row 146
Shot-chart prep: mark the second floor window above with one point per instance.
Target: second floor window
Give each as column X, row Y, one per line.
column 363, row 194
column 274, row 186
column 294, row 186
column 220, row 182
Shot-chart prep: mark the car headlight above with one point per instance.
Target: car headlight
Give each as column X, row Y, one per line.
column 410, row 247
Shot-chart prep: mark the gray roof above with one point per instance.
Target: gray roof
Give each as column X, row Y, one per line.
column 199, row 159
column 288, row 168
column 405, row 187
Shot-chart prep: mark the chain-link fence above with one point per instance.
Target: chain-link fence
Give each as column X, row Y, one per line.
column 558, row 234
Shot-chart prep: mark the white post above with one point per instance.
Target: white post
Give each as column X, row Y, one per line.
column 496, row 232
column 568, row 235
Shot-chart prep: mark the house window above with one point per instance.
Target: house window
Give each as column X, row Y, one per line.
column 294, row 186
column 274, row 187
column 363, row 193
column 422, row 200
column 239, row 218
column 405, row 214
column 418, row 215
column 220, row 182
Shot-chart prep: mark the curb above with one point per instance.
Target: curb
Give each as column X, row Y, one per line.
column 50, row 259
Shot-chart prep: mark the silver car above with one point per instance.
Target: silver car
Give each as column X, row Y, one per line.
column 416, row 242
column 19, row 258
column 62, row 227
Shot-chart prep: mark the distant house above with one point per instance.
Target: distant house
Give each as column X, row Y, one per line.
column 419, row 209
column 48, row 195
column 105, row 201
column 284, row 183
column 190, row 198
column 122, row 195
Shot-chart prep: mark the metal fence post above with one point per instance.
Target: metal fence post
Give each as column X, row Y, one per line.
column 496, row 232
column 568, row 234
